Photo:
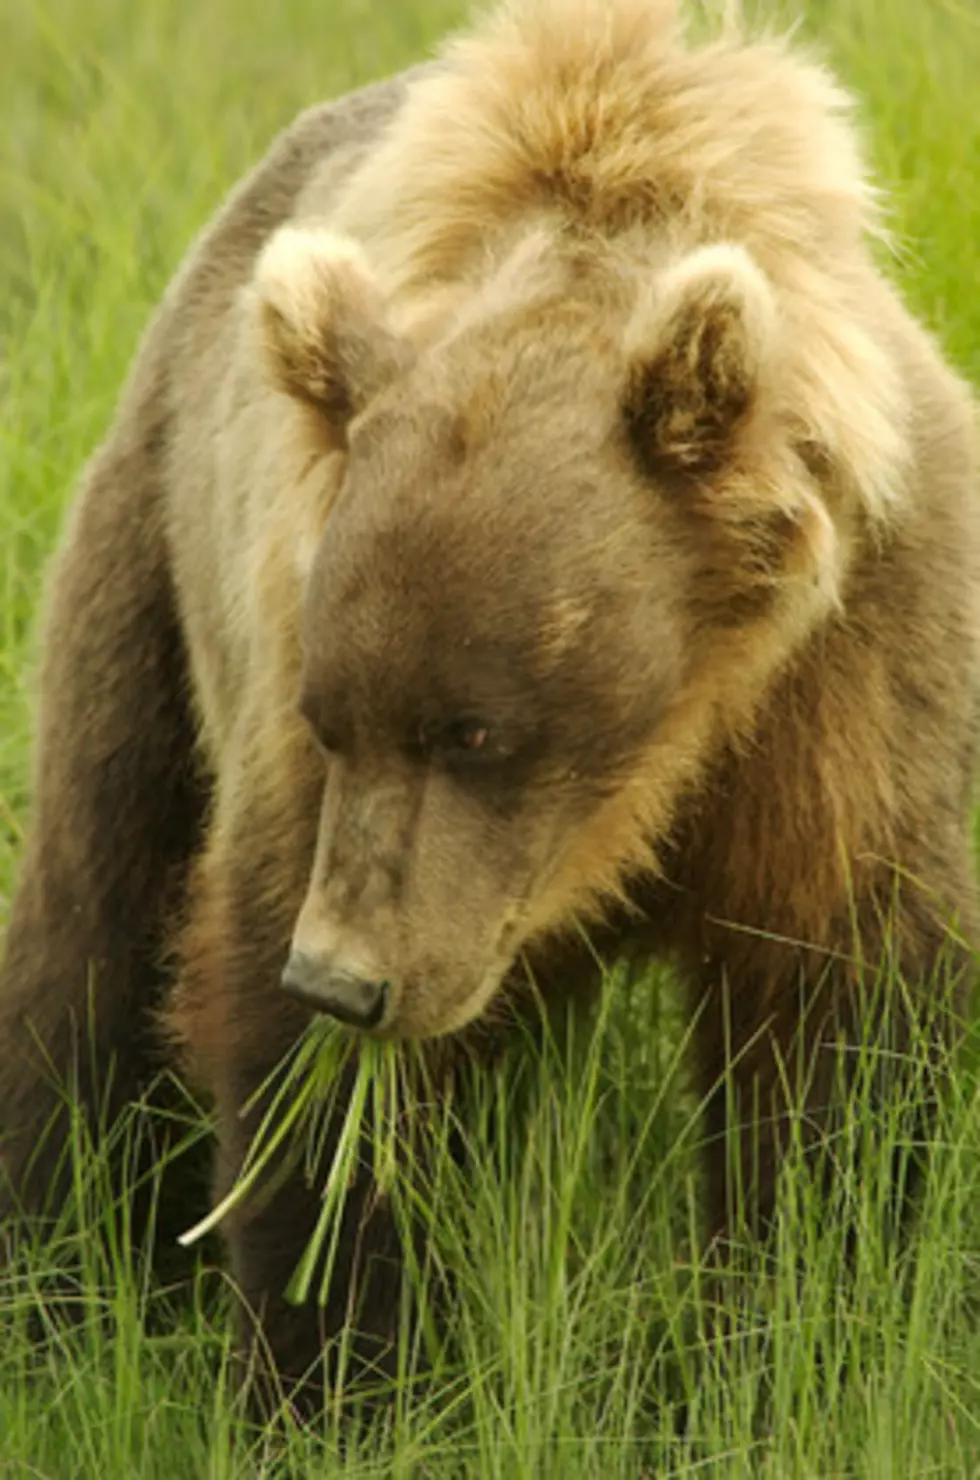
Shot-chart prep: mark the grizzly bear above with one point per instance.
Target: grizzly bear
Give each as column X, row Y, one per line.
column 533, row 531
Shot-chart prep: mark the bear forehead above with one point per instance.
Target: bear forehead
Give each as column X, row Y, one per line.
column 493, row 544
column 524, row 406
column 424, row 582
column 419, row 617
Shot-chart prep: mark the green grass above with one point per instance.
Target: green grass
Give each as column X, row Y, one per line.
column 580, row 1343
column 580, row 1338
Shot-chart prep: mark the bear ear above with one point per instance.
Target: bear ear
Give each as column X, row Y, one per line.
column 696, row 348
column 323, row 327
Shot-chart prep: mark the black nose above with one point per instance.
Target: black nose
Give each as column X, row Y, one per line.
column 349, row 999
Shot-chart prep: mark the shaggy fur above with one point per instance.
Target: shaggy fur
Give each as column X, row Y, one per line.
column 530, row 507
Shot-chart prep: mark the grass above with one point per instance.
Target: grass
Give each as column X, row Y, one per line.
column 580, row 1346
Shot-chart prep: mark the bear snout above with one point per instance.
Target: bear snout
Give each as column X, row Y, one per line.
column 319, row 983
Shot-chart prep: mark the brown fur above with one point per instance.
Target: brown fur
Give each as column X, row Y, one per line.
column 549, row 515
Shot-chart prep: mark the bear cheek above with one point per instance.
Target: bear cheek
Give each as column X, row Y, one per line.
column 467, row 938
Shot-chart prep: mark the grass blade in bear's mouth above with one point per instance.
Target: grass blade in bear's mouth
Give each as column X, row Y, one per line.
column 300, row 1114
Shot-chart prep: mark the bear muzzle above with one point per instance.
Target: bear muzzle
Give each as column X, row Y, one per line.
column 349, row 998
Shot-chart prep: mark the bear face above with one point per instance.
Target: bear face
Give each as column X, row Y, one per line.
column 488, row 757
column 466, row 737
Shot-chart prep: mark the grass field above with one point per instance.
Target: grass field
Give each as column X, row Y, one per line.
column 580, row 1347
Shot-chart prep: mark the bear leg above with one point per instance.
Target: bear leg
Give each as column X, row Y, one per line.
column 117, row 807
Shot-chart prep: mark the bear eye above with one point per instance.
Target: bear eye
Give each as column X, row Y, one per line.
column 468, row 736
column 462, row 742
column 471, row 742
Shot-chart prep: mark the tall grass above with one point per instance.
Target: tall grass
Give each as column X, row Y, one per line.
column 582, row 1341
column 587, row 1335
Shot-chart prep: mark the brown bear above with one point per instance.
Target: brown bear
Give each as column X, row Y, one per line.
column 530, row 510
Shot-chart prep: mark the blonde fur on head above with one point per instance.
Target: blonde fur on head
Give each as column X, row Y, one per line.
column 603, row 109
column 601, row 117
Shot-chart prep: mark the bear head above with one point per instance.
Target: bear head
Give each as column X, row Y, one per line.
column 576, row 533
